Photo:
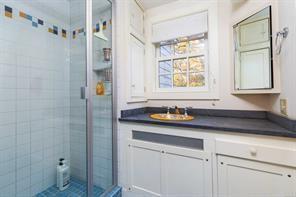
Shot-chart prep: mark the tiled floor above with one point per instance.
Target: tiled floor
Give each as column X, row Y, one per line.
column 116, row 192
column 76, row 189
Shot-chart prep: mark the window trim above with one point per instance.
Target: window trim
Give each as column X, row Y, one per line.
column 187, row 55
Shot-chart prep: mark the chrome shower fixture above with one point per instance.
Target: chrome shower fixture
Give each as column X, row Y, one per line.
column 280, row 37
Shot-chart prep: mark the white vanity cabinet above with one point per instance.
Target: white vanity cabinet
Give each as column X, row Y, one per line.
column 242, row 177
column 181, row 162
column 163, row 170
column 251, row 169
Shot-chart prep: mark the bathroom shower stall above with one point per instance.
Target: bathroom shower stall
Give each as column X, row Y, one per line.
column 54, row 57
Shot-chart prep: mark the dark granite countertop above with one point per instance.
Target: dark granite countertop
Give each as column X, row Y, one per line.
column 260, row 126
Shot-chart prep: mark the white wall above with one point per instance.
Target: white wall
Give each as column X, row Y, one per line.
column 226, row 99
column 227, row 14
column 287, row 18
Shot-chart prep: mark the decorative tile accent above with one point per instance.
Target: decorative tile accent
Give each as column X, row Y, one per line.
column 22, row 14
column 55, row 30
column 40, row 22
column 81, row 30
column 36, row 22
column 97, row 28
column 104, row 25
column 64, row 33
column 74, row 34
column 29, row 17
column 8, row 11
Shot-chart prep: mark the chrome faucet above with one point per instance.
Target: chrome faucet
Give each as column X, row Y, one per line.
column 186, row 110
column 177, row 111
column 168, row 109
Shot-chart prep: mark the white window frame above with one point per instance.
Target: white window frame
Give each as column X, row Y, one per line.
column 187, row 55
column 169, row 12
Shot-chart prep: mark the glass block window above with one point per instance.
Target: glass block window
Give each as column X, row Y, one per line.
column 182, row 63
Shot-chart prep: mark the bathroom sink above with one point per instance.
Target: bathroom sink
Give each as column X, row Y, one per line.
column 175, row 117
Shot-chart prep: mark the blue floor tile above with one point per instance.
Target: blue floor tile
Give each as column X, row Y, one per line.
column 77, row 188
column 116, row 192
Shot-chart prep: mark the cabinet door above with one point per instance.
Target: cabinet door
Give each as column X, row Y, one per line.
column 162, row 170
column 144, row 168
column 136, row 19
column 137, row 52
column 246, row 178
column 253, row 61
column 186, row 172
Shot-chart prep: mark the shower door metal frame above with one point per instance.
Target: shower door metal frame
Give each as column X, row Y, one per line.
column 114, row 98
column 89, row 100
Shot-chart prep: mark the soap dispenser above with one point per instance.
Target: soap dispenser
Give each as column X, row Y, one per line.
column 63, row 175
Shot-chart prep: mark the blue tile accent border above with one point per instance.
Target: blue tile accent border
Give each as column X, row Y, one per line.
column 29, row 17
column 40, row 22
column 35, row 21
column 8, row 9
column 34, row 24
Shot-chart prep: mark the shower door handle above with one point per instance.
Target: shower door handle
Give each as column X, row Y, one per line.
column 84, row 93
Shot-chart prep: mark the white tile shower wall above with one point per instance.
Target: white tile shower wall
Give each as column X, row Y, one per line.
column 102, row 108
column 77, row 106
column 34, row 104
column 77, row 110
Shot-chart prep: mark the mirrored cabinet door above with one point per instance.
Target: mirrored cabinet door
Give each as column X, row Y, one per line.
column 253, row 52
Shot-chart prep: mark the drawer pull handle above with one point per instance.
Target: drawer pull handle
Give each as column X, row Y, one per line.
column 253, row 151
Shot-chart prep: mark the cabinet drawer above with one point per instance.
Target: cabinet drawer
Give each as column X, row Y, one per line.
column 264, row 153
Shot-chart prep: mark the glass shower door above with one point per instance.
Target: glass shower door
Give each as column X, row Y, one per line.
column 78, row 102
column 102, row 96
column 91, row 112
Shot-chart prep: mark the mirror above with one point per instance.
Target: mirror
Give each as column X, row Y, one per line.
column 253, row 52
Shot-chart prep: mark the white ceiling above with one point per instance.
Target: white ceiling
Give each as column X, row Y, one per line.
column 147, row 4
